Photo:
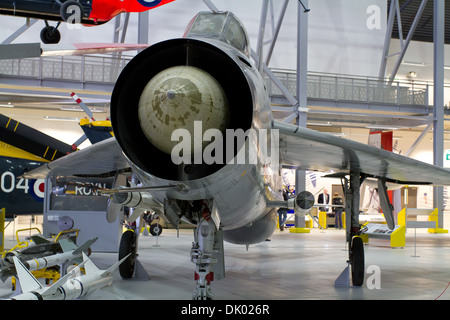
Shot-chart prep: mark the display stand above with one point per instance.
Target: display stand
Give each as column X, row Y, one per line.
column 382, row 231
column 325, row 220
column 139, row 273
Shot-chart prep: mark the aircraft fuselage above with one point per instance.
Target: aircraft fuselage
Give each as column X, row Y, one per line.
column 19, row 195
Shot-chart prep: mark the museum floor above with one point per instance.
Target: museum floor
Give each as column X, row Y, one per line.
column 289, row 267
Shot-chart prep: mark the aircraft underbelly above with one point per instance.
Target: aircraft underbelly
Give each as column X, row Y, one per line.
column 238, row 191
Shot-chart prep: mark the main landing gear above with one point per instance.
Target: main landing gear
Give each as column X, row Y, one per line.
column 71, row 12
column 353, row 228
column 50, row 34
column 128, row 244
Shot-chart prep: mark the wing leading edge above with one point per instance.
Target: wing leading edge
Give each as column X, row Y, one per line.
column 101, row 158
column 312, row 150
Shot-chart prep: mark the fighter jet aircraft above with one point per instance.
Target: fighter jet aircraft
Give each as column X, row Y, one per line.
column 179, row 110
column 87, row 12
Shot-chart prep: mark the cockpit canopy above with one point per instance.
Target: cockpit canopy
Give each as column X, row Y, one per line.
column 223, row 26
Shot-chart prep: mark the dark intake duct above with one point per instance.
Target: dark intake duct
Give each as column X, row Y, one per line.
column 178, row 84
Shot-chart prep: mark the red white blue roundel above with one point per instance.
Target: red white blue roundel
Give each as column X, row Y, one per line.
column 149, row 3
column 37, row 189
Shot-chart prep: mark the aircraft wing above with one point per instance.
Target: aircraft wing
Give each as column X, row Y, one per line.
column 312, row 150
column 101, row 158
column 78, row 49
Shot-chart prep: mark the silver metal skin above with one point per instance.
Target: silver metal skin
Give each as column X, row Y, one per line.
column 232, row 196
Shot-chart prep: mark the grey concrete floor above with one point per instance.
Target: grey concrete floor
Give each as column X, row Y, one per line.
column 289, row 267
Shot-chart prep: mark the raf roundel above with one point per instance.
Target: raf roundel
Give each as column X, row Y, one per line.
column 149, row 3
column 37, row 192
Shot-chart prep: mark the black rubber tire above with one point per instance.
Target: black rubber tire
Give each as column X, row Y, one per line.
column 50, row 35
column 357, row 261
column 66, row 15
column 127, row 245
column 155, row 229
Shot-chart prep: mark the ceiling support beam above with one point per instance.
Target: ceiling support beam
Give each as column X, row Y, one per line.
column 276, row 31
column 387, row 39
column 438, row 110
column 262, row 30
column 418, row 140
column 406, row 43
column 302, row 97
column 29, row 22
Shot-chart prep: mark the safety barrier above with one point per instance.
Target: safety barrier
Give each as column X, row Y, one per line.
column 431, row 223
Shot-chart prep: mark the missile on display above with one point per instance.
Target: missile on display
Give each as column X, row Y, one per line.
column 39, row 257
column 60, row 258
column 73, row 285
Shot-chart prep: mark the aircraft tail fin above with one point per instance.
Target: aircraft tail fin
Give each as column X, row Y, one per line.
column 28, row 282
column 85, row 246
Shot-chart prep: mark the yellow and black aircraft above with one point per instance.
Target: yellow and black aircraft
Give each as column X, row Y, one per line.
column 97, row 130
column 22, row 149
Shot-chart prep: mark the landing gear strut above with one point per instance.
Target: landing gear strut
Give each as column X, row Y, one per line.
column 71, row 12
column 353, row 229
column 202, row 256
column 207, row 254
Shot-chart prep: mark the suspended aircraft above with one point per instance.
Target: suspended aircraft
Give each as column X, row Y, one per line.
column 192, row 119
column 86, row 12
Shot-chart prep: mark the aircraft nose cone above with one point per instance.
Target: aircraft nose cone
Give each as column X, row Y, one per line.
column 174, row 99
column 170, row 94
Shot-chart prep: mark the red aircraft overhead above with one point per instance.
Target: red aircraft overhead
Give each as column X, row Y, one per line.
column 86, row 12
